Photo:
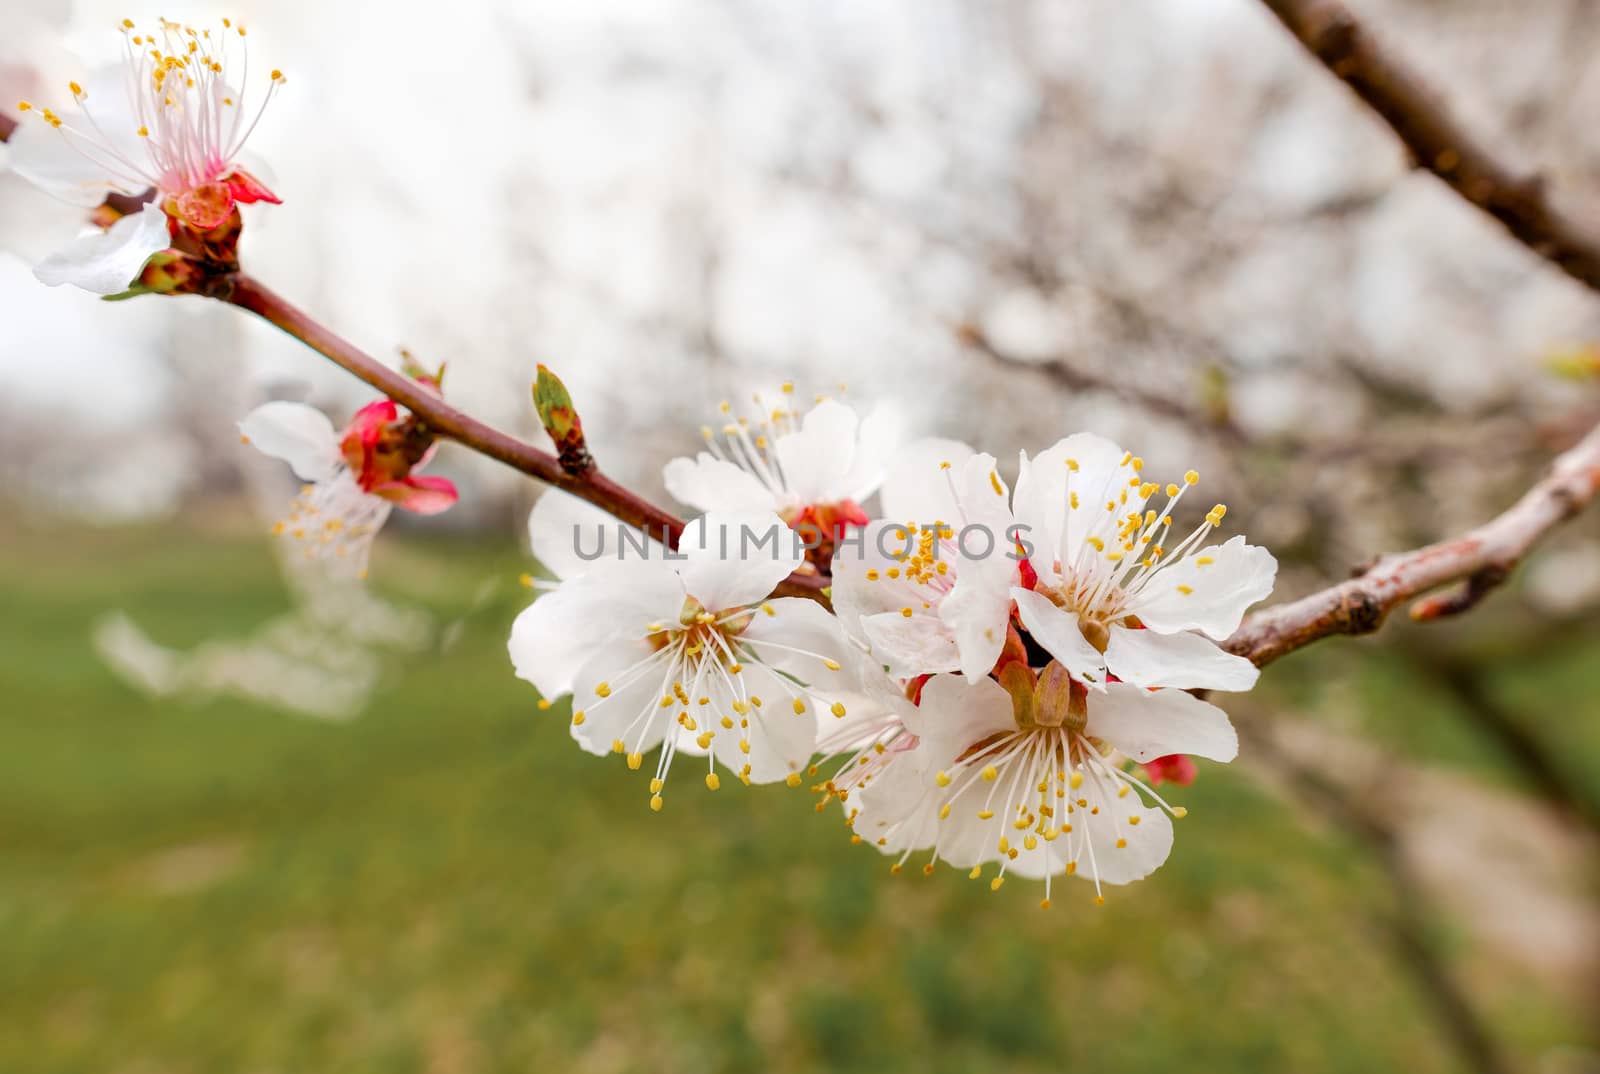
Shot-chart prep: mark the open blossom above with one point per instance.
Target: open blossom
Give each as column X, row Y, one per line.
column 171, row 118
column 1115, row 596
column 684, row 651
column 1030, row 776
column 354, row 478
column 1075, row 663
column 929, row 589
column 812, row 469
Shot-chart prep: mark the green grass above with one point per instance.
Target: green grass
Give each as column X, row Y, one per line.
column 448, row 884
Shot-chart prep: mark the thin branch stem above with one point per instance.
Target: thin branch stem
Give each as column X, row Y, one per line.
column 1480, row 559
column 1437, row 140
column 445, row 420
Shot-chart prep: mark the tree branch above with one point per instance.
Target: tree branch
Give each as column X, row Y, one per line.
column 1437, row 141
column 445, row 420
column 1481, row 558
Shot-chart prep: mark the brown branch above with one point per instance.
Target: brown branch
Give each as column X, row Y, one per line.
column 1437, row 140
column 445, row 420
column 587, row 483
column 1480, row 558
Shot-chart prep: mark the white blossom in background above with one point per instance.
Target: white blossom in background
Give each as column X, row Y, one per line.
column 172, row 118
column 354, row 478
column 685, row 653
column 323, row 658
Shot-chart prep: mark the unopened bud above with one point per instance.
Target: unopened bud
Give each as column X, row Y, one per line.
column 560, row 419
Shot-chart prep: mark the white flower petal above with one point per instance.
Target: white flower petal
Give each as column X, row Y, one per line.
column 880, row 431
column 1187, row 661
column 976, row 612
column 300, row 435
column 106, row 262
column 872, row 703
column 734, row 559
column 979, row 606
column 964, row 838
column 899, row 806
column 817, row 458
column 872, row 547
column 571, row 537
column 1207, row 591
column 1045, row 486
column 797, row 637
column 567, row 626
column 707, row 483
column 1146, row 844
column 629, row 712
column 918, row 644
column 781, row 740
column 1147, row 724
column 916, row 487
column 1058, row 632
column 953, row 714
column 43, row 155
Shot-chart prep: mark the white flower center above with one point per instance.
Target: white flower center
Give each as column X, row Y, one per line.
column 1043, row 784
column 1119, row 544
column 698, row 662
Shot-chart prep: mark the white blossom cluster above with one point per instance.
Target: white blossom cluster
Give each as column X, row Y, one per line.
column 996, row 666
column 974, row 672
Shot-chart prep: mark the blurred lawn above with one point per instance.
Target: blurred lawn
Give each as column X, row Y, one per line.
column 447, row 884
